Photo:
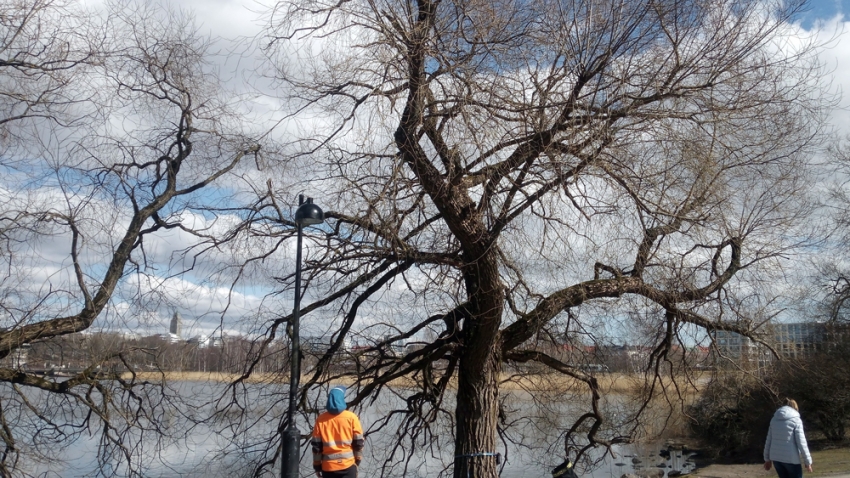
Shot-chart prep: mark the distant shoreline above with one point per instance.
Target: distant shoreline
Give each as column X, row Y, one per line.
column 608, row 382
column 223, row 377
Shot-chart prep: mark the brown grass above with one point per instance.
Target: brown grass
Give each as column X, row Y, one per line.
column 608, row 382
column 834, row 462
column 831, row 462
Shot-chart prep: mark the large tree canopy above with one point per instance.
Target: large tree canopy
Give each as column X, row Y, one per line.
column 495, row 173
column 507, row 184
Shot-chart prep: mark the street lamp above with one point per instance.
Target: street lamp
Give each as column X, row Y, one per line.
column 307, row 214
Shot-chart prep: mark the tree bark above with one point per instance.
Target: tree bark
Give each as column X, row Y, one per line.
column 476, row 411
column 476, row 414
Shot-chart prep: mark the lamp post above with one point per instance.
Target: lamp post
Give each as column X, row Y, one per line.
column 307, row 214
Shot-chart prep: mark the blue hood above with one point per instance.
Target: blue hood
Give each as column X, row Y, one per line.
column 336, row 400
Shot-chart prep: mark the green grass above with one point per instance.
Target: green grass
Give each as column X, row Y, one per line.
column 831, row 461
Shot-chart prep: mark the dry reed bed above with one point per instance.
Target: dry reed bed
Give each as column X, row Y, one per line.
column 608, row 382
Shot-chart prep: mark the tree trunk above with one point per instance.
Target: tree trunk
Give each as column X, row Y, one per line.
column 475, row 415
column 478, row 374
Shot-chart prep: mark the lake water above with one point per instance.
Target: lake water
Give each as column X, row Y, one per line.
column 224, row 446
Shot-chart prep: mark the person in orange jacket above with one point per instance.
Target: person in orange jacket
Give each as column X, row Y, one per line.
column 337, row 440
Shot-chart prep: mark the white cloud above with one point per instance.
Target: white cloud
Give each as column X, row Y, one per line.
column 203, row 297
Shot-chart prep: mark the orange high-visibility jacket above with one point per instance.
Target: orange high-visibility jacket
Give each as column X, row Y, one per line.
column 337, row 441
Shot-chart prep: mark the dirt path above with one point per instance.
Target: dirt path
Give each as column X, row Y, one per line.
column 750, row 471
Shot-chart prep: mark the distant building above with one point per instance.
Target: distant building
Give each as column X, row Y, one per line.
column 176, row 325
column 204, row 341
column 733, row 345
column 199, row 341
column 793, row 341
column 320, row 345
column 130, row 335
column 798, row 340
column 170, row 338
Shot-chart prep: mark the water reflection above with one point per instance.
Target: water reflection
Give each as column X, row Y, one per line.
column 224, row 447
column 650, row 460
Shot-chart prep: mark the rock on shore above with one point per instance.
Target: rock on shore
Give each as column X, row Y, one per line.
column 644, row 474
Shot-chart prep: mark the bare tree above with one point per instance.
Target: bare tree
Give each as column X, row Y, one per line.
column 115, row 123
column 833, row 276
column 37, row 72
column 497, row 174
column 43, row 46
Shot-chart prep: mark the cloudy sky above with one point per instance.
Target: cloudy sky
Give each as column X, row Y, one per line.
column 828, row 20
column 199, row 301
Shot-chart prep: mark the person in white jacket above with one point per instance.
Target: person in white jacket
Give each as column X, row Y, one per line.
column 786, row 445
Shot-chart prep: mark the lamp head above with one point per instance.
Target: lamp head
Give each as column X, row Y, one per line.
column 309, row 214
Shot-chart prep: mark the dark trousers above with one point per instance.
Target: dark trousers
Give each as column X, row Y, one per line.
column 350, row 472
column 788, row 470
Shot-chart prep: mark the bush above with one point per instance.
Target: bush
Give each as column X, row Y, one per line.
column 821, row 385
column 733, row 414
column 732, row 417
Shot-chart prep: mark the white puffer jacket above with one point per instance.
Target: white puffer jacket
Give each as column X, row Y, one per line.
column 786, row 441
